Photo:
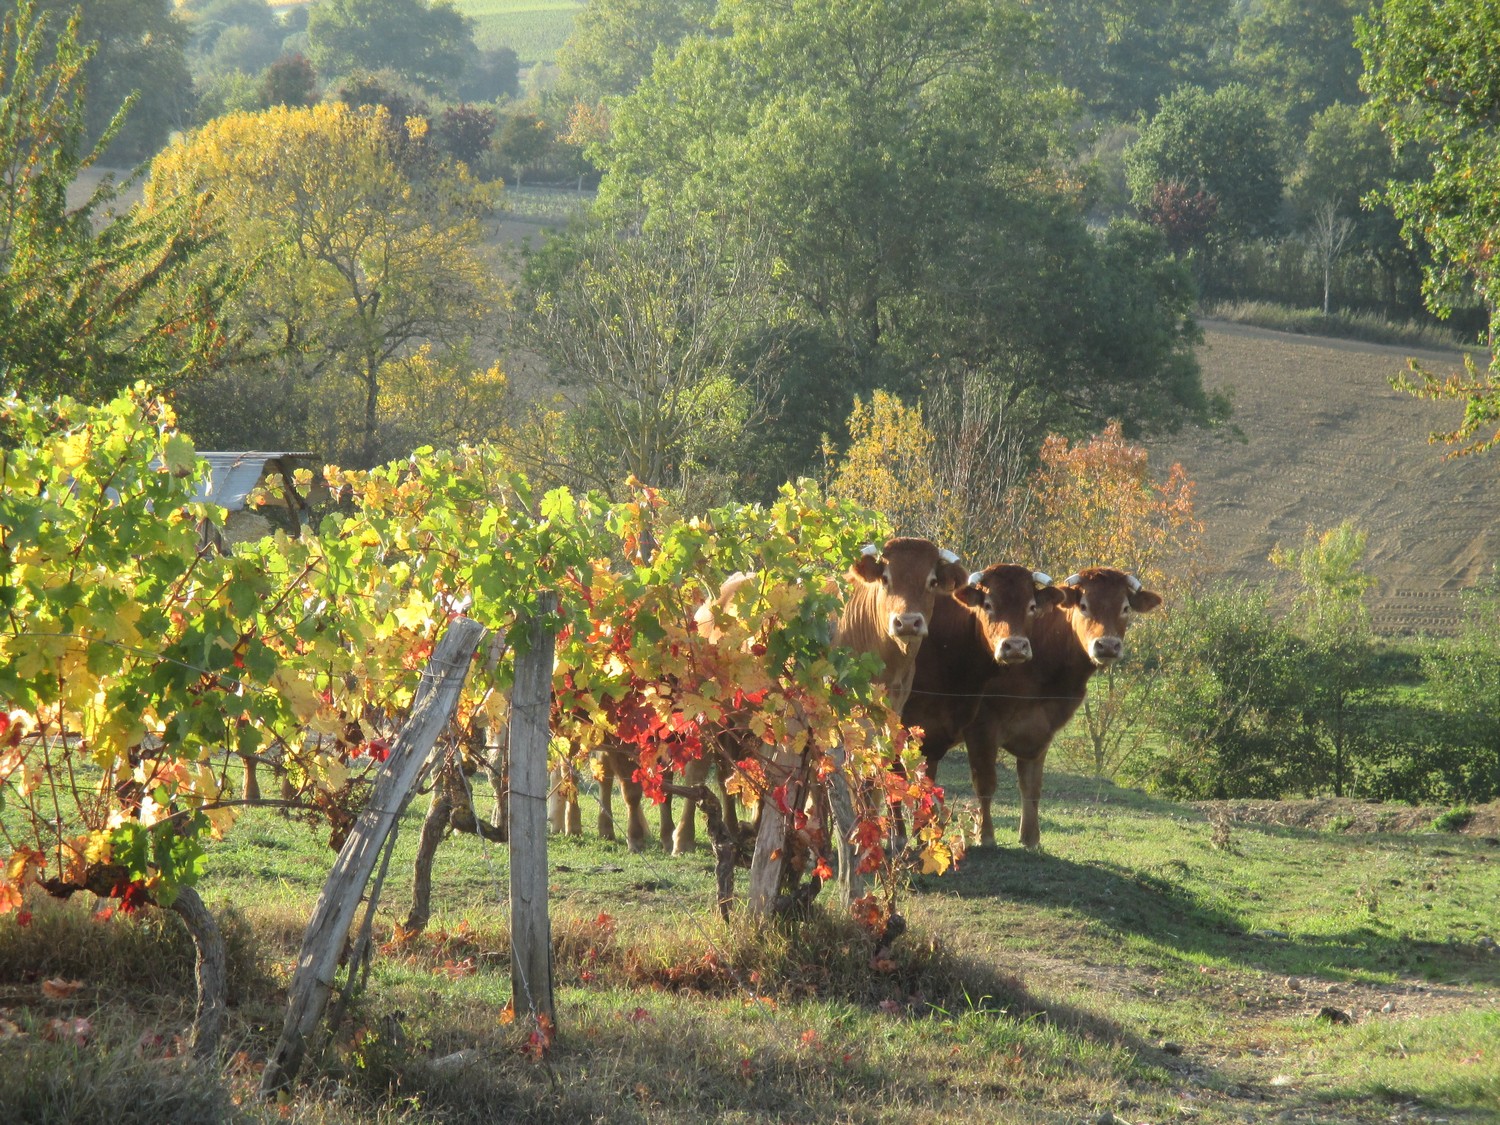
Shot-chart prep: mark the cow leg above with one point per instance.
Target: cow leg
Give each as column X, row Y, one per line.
column 1029, row 779
column 562, row 801
column 665, row 826
column 607, row 797
column 982, row 772
column 635, row 820
column 684, row 839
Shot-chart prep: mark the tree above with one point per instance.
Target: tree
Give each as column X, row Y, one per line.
column 364, row 281
column 1326, row 240
column 1097, row 503
column 90, row 301
column 524, row 141
column 648, row 329
column 1222, row 143
column 425, row 43
column 1433, row 78
column 1302, row 55
column 903, row 155
column 138, row 57
column 1123, row 56
column 1332, row 620
column 614, row 42
column 290, row 80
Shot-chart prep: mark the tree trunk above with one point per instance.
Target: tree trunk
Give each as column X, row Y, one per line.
column 209, row 971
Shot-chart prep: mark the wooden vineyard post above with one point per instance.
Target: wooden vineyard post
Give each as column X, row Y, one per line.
column 769, row 860
column 852, row 884
column 328, row 929
column 530, row 731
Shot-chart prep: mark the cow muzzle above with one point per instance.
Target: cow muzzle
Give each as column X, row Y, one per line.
column 908, row 625
column 1013, row 650
column 1106, row 650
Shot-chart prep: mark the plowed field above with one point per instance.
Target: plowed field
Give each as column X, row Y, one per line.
column 1322, row 438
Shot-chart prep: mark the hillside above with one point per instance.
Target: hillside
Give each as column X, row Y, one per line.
column 1325, row 439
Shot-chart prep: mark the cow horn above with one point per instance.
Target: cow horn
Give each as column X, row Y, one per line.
column 975, row 577
column 948, row 556
column 1041, row 579
column 1072, row 580
column 869, row 549
column 1135, row 583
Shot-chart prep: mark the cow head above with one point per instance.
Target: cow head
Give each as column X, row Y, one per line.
column 1007, row 599
column 908, row 575
column 1100, row 603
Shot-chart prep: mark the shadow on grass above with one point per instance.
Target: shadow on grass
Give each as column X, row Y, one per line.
column 1174, row 915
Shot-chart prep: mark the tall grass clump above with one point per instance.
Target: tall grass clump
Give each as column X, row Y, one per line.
column 1369, row 327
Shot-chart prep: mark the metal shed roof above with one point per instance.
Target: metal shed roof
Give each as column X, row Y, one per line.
column 233, row 476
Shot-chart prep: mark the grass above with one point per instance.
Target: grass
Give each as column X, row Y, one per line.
column 1369, row 327
column 534, row 29
column 1132, row 966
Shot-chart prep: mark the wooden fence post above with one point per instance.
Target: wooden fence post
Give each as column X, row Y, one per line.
column 328, row 929
column 530, row 731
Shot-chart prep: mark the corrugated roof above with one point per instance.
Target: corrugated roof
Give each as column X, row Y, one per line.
column 233, row 476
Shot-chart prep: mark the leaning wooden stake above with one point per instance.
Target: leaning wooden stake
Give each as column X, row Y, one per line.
column 530, row 731
column 328, row 930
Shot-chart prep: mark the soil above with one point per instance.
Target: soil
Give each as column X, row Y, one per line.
column 1318, row 436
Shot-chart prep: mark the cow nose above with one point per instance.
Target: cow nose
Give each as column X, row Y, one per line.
column 908, row 624
column 1013, row 650
column 1105, row 649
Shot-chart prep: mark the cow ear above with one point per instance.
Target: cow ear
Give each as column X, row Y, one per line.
column 1071, row 595
column 1050, row 596
column 951, row 576
column 970, row 595
column 1144, row 601
column 868, row 568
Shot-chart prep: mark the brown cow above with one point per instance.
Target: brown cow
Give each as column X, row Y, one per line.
column 1025, row 705
column 980, row 628
column 892, row 592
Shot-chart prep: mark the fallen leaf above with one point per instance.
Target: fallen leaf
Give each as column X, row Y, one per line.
column 59, row 989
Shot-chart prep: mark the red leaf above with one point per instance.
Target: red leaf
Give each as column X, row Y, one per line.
column 23, row 917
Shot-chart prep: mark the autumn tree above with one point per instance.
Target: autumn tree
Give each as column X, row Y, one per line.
column 1433, row 77
column 90, row 299
column 1097, row 503
column 363, row 282
column 951, row 468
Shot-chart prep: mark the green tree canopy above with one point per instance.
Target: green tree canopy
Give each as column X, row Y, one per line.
column 1433, row 75
column 1124, row 56
column 1302, row 55
column 367, row 294
column 1223, row 143
column 90, row 301
column 138, row 52
column 614, row 42
column 425, row 43
column 905, row 157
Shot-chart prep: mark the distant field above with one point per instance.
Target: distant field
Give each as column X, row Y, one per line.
column 533, row 29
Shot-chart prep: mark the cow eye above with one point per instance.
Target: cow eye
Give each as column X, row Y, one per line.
column 989, row 606
column 932, row 581
column 1083, row 604
column 1125, row 610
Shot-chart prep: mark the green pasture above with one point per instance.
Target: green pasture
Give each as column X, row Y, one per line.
column 1142, row 965
column 534, row 29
